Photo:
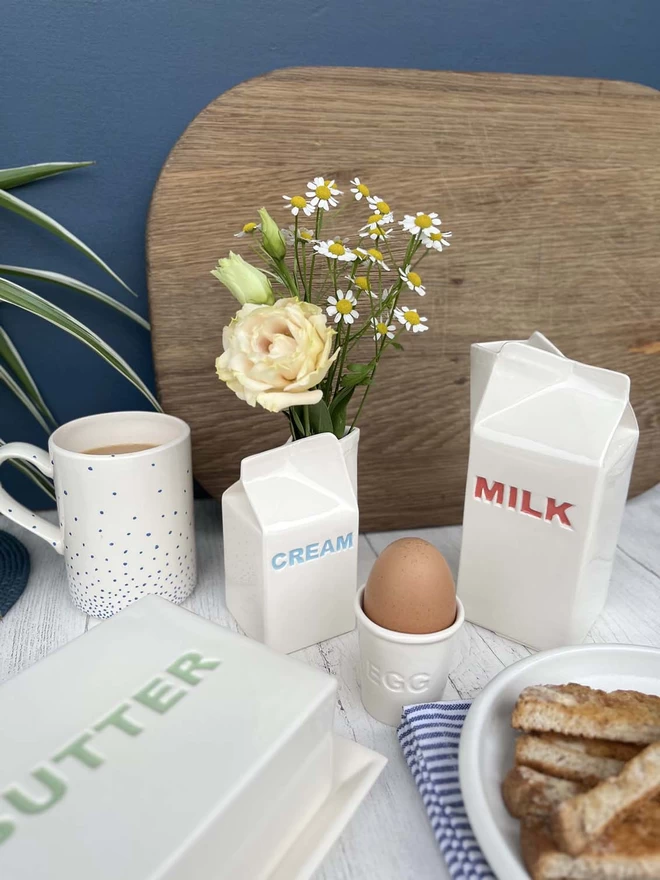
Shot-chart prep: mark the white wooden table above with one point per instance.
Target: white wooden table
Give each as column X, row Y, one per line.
column 389, row 838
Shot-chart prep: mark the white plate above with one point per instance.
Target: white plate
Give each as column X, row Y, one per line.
column 356, row 768
column 487, row 741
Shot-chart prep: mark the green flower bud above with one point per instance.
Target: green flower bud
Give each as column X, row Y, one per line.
column 247, row 283
column 271, row 237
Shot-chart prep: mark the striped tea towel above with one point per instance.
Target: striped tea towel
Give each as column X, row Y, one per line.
column 429, row 735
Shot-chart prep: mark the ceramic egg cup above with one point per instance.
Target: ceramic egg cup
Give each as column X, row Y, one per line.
column 398, row 669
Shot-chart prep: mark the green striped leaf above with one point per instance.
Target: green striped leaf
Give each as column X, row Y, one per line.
column 18, row 296
column 10, row 177
column 33, row 474
column 7, row 200
column 14, row 361
column 74, row 284
column 15, row 388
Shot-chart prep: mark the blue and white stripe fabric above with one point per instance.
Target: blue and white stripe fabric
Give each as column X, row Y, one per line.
column 429, row 735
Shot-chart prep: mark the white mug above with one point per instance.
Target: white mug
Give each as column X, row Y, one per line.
column 126, row 523
column 398, row 669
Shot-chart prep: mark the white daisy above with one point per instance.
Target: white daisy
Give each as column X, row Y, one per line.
column 420, row 223
column 321, row 192
column 436, row 240
column 304, row 235
column 335, row 250
column 298, row 204
column 341, row 306
column 378, row 206
column 412, row 279
column 378, row 233
column 374, row 255
column 376, row 220
column 411, row 319
column 382, row 329
column 248, row 229
column 359, row 189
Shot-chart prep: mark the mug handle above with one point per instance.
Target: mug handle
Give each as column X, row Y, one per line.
column 20, row 514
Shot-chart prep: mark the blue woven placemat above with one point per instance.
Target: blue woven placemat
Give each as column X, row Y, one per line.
column 430, row 734
column 14, row 571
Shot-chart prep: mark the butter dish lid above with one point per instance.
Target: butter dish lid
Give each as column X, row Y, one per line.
column 116, row 748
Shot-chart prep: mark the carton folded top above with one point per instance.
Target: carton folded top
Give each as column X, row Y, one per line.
column 540, row 400
column 298, row 482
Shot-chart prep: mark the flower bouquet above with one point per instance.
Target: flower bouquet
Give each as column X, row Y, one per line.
column 297, row 352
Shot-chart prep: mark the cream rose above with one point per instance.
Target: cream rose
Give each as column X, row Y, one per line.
column 273, row 355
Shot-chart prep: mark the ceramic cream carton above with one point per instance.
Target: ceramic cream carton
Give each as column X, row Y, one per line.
column 290, row 528
column 551, row 453
column 160, row 746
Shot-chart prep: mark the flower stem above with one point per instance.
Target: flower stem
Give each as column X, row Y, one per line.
column 287, row 278
column 296, row 265
column 317, row 232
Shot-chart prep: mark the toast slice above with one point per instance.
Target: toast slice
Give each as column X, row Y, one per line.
column 577, row 710
column 557, row 759
column 582, row 819
column 528, row 794
column 597, row 748
column 629, row 850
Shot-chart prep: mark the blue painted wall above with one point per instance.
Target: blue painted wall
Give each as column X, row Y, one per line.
column 118, row 80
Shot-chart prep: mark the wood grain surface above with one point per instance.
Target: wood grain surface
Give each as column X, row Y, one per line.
column 551, row 188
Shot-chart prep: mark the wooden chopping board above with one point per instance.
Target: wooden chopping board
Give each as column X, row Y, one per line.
column 551, row 188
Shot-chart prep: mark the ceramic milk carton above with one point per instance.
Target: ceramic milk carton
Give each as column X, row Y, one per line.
column 290, row 529
column 551, row 453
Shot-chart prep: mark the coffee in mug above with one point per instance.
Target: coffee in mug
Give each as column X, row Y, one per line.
column 120, row 449
column 123, row 484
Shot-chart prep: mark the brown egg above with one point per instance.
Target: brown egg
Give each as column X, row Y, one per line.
column 410, row 588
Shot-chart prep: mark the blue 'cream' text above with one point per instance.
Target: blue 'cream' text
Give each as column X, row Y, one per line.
column 299, row 555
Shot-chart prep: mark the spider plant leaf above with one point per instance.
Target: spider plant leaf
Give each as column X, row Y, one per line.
column 14, row 361
column 33, row 473
column 74, row 284
column 18, row 296
column 9, row 201
column 15, row 388
column 10, row 177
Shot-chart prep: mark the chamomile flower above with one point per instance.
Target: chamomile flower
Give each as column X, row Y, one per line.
column 376, row 220
column 335, row 250
column 381, row 328
column 411, row 319
column 296, row 204
column 359, row 189
column 248, row 229
column 421, row 223
column 322, row 193
column 342, row 307
column 378, row 206
column 412, row 279
column 304, row 235
column 436, row 240
column 374, row 255
column 361, row 282
column 378, row 233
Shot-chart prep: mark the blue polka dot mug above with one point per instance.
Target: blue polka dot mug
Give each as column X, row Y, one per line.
column 125, row 517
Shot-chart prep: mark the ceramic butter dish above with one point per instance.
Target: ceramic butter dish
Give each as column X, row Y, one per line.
column 160, row 746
